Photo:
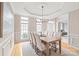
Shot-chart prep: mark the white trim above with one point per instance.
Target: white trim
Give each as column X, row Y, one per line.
column 71, row 37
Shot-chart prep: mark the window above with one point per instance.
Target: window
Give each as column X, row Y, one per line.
column 39, row 26
column 24, row 27
column 51, row 26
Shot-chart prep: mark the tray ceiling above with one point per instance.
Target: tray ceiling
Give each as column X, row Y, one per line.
column 51, row 9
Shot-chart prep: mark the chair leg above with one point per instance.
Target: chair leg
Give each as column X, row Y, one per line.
column 40, row 53
column 50, row 51
column 37, row 51
column 55, row 48
column 43, row 53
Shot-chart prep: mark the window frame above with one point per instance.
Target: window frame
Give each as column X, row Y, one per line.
column 24, row 26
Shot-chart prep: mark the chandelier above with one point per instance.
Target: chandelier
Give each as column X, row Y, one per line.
column 42, row 11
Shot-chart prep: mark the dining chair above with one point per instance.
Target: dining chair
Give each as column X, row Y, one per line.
column 54, row 44
column 40, row 46
column 34, row 41
column 31, row 39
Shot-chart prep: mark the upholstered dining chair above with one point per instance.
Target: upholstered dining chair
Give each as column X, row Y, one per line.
column 54, row 44
column 34, row 42
column 31, row 39
column 40, row 46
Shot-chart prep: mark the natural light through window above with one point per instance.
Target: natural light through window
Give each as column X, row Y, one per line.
column 51, row 26
column 24, row 27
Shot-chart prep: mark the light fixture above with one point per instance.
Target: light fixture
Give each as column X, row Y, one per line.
column 42, row 11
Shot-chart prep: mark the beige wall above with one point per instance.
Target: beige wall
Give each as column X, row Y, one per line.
column 17, row 27
column 74, row 28
column 74, row 22
column 32, row 24
column 44, row 26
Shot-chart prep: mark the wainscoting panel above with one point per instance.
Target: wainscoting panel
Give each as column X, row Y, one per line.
column 6, row 49
column 0, row 52
column 75, row 42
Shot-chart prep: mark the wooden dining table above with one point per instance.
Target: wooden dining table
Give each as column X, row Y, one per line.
column 50, row 40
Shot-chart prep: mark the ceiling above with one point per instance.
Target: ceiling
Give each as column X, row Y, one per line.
column 50, row 10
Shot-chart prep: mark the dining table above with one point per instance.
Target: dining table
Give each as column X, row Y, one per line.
column 49, row 40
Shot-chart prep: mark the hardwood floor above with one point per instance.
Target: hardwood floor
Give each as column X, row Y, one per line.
column 17, row 50
column 71, row 49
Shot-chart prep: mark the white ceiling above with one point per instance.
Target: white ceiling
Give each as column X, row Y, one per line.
column 51, row 9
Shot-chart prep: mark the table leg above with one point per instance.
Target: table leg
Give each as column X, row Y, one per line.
column 60, row 46
column 47, row 49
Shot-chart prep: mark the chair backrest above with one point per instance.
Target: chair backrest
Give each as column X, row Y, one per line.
column 37, row 38
column 58, row 35
column 45, row 33
column 39, row 45
column 34, row 40
column 50, row 35
column 30, row 36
